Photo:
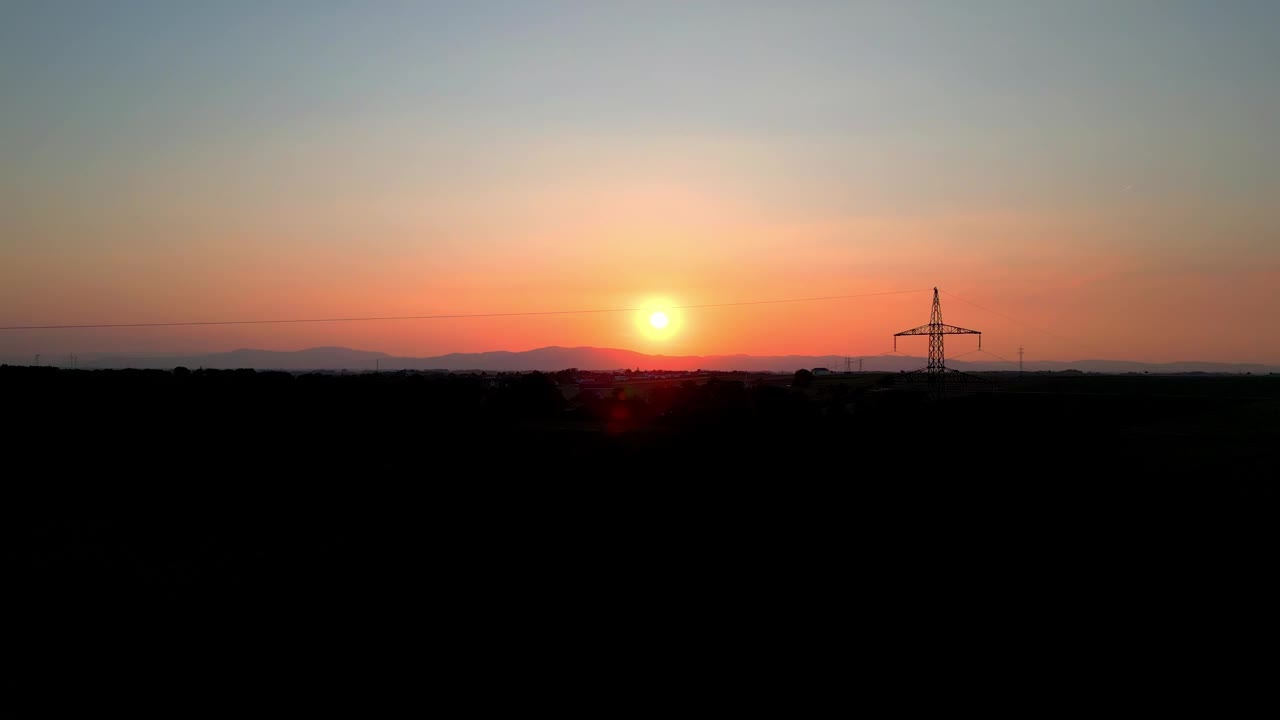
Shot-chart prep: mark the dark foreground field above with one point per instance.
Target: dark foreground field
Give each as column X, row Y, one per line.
column 499, row 494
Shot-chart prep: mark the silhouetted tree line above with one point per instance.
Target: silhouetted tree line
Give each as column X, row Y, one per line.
column 394, row 400
column 284, row 423
column 245, row 477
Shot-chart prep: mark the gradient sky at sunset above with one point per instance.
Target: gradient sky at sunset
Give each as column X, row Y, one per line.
column 1108, row 172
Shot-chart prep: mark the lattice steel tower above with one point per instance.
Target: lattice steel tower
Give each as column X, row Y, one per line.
column 936, row 370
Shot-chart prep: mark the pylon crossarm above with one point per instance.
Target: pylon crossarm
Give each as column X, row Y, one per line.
column 964, row 377
column 938, row 329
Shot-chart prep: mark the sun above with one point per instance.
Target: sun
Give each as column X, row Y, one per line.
column 659, row 319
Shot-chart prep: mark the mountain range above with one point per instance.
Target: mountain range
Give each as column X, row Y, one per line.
column 590, row 358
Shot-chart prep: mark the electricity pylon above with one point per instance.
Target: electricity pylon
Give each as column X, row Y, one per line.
column 936, row 371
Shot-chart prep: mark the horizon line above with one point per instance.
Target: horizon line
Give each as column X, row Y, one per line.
column 150, row 355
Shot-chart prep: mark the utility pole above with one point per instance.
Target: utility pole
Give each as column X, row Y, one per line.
column 377, row 365
column 1019, row 361
column 859, row 364
column 37, row 359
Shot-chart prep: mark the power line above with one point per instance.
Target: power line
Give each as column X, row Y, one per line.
column 774, row 302
column 445, row 317
column 988, row 352
column 1015, row 321
column 957, row 357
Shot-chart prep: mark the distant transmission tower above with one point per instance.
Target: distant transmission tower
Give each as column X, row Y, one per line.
column 936, row 370
column 1019, row 360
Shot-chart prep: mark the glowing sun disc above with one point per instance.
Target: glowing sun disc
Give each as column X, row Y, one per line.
column 658, row 320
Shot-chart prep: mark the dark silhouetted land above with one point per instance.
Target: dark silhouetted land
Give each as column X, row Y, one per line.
column 635, row 486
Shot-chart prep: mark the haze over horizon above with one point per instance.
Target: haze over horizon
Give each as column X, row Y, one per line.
column 1107, row 174
column 555, row 358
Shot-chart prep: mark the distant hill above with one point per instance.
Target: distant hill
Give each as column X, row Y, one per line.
column 320, row 358
column 590, row 358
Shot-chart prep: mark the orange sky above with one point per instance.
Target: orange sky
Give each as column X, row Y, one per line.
column 1093, row 176
column 1076, row 291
